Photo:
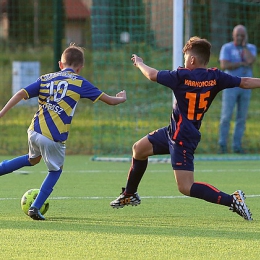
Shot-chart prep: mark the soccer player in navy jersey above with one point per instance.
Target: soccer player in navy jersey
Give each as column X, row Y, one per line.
column 58, row 94
column 194, row 86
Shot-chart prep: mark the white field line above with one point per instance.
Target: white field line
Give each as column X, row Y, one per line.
column 156, row 171
column 106, row 198
column 143, row 197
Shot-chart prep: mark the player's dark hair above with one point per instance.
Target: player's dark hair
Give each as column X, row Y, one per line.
column 200, row 48
column 73, row 56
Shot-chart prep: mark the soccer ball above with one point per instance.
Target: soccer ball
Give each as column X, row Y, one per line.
column 29, row 197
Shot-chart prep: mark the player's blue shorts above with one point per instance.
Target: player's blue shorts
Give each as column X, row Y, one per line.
column 182, row 156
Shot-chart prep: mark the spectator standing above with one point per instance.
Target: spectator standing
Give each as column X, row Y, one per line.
column 236, row 58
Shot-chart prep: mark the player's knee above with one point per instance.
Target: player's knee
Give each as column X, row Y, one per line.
column 34, row 161
column 142, row 149
column 137, row 151
column 134, row 147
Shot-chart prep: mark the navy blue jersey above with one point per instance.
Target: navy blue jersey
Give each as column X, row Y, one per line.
column 58, row 94
column 194, row 91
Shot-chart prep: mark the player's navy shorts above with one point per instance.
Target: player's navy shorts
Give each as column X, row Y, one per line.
column 182, row 156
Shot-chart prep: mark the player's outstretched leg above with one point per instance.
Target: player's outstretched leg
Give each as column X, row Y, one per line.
column 126, row 199
column 235, row 201
column 14, row 164
column 239, row 206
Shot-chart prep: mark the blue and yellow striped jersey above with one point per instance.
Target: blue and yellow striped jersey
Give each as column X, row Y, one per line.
column 58, row 94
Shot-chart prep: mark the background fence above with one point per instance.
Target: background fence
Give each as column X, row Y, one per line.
column 111, row 31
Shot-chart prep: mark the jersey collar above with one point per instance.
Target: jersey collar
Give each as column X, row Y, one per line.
column 68, row 69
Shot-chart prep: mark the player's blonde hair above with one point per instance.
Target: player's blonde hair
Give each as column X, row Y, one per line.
column 73, row 56
column 199, row 48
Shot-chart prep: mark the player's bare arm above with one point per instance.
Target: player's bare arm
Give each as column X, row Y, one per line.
column 249, row 83
column 114, row 100
column 148, row 72
column 21, row 94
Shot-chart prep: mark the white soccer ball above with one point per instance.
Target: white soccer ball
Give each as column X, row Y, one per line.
column 29, row 197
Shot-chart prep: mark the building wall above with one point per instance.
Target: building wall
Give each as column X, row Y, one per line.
column 74, row 32
column 161, row 21
column 3, row 26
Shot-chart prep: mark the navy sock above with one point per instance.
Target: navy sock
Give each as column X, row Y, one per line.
column 209, row 193
column 46, row 188
column 8, row 166
column 135, row 175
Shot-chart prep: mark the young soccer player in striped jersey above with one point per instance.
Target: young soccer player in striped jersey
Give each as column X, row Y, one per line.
column 194, row 86
column 58, row 94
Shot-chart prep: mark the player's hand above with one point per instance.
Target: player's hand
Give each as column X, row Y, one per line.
column 135, row 59
column 244, row 42
column 122, row 94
